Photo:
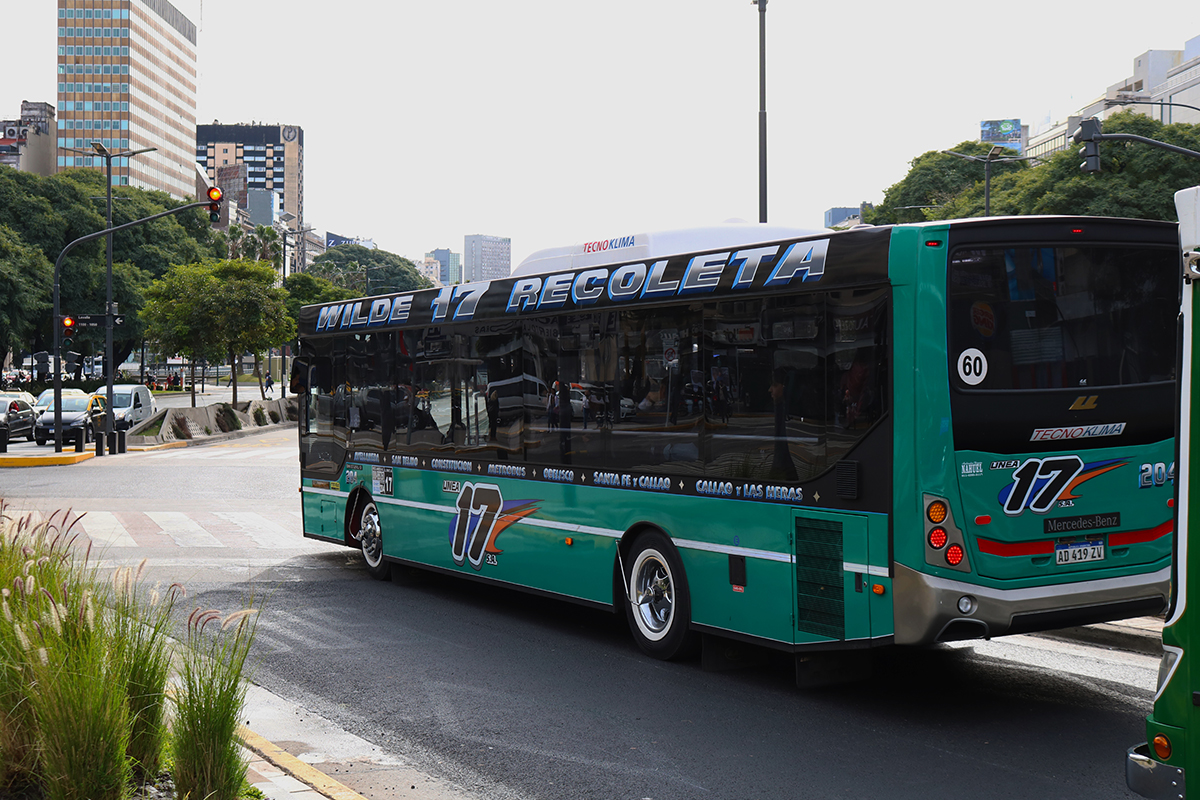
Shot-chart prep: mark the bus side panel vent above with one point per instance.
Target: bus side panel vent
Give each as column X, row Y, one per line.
column 846, row 477
column 820, row 598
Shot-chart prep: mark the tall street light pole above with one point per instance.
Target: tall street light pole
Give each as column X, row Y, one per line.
column 993, row 156
column 109, row 311
column 762, row 109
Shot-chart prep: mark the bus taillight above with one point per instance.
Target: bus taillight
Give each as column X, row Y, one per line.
column 936, row 512
column 937, row 539
column 954, row 555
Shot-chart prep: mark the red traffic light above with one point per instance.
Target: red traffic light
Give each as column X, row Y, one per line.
column 215, row 194
column 68, row 324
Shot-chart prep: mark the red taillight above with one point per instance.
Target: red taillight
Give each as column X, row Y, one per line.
column 954, row 555
column 937, row 538
column 983, row 519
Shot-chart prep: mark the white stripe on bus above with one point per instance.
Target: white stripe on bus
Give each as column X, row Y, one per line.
column 879, row 572
column 766, row 555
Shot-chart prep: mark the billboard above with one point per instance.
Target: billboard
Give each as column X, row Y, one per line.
column 1004, row 132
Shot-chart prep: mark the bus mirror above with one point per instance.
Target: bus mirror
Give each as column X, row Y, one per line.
column 1187, row 205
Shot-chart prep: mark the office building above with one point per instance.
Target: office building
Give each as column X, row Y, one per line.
column 449, row 266
column 127, row 79
column 29, row 143
column 1163, row 85
column 486, row 257
column 274, row 160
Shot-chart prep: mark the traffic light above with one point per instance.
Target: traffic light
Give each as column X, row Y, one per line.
column 1089, row 134
column 41, row 360
column 72, row 359
column 214, row 204
column 68, row 330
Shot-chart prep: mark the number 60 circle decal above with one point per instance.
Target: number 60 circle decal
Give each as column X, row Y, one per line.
column 972, row 366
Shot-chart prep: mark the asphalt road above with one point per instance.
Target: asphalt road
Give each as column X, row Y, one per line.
column 509, row 695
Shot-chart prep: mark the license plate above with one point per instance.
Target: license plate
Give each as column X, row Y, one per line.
column 1078, row 552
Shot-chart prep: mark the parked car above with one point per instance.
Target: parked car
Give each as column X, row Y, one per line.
column 47, row 397
column 17, row 418
column 79, row 411
column 26, row 396
column 132, row 403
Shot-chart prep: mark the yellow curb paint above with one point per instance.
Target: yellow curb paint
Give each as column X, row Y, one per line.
column 57, row 459
column 302, row 772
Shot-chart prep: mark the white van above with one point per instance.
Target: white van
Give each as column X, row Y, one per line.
column 132, row 403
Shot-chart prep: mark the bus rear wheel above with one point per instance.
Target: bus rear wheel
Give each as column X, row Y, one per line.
column 658, row 605
column 370, row 540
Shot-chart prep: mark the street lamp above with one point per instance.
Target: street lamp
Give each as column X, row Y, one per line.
column 762, row 108
column 1138, row 101
column 109, row 308
column 993, row 156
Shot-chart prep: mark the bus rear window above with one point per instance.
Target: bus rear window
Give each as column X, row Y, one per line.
column 1025, row 318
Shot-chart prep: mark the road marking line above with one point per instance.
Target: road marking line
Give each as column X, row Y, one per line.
column 103, row 527
column 182, row 529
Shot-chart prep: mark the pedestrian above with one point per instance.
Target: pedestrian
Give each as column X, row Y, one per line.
column 270, row 386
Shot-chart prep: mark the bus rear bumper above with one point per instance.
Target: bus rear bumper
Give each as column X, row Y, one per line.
column 927, row 608
column 1151, row 778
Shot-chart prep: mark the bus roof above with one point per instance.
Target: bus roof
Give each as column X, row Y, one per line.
column 655, row 245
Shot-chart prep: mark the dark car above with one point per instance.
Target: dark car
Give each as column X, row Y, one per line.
column 78, row 412
column 17, row 418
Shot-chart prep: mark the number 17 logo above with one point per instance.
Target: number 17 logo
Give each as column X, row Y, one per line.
column 1038, row 483
column 482, row 516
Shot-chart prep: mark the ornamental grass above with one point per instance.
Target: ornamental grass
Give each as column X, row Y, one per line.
column 85, row 663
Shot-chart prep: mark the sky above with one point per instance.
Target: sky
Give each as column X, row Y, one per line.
column 560, row 123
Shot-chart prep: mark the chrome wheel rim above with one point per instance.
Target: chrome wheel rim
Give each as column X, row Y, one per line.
column 652, row 594
column 371, row 536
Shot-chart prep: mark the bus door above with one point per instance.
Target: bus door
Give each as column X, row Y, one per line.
column 833, row 584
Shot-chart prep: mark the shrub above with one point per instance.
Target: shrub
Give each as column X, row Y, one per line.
column 208, row 760
column 180, row 428
column 274, row 415
column 227, row 419
column 260, row 417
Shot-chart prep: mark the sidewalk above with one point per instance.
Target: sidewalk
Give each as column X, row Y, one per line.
column 297, row 755
column 1139, row 635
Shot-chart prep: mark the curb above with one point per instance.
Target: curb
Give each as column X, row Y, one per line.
column 38, row 460
column 293, row 766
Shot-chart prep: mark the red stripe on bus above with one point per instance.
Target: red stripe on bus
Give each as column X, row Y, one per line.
column 1007, row 549
column 1137, row 537
column 993, row 548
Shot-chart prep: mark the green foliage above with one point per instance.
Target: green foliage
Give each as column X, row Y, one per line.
column 364, row 271
column 306, row 289
column 181, row 310
column 207, row 758
column 48, row 213
column 1137, row 180
column 24, row 275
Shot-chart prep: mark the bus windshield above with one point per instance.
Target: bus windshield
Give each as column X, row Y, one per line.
column 1063, row 317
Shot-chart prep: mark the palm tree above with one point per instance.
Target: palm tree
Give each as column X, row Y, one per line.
column 237, row 241
column 266, row 245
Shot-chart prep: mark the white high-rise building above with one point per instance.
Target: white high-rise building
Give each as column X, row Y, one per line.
column 486, row 257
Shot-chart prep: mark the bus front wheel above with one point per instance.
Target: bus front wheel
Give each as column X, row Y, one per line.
column 658, row 605
column 370, row 539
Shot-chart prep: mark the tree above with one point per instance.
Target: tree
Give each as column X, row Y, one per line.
column 253, row 312
column 934, row 180
column 305, row 289
column 180, row 311
column 365, row 271
column 1136, row 180
column 48, row 213
column 264, row 244
column 24, row 275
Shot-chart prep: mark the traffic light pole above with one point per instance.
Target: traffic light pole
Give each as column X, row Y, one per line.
column 58, row 307
column 1089, row 132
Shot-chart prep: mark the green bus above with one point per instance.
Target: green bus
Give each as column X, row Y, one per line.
column 809, row 441
column 1157, row 768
